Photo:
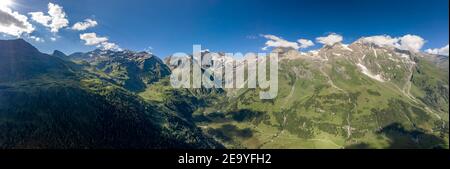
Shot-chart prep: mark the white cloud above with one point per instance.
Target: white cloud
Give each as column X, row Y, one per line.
column 411, row 42
column 53, row 39
column 438, row 51
column 408, row 42
column 330, row 39
column 305, row 43
column 91, row 39
column 149, row 50
column 40, row 17
column 382, row 40
column 58, row 17
column 14, row 23
column 55, row 20
column 109, row 46
column 274, row 41
column 81, row 26
column 37, row 39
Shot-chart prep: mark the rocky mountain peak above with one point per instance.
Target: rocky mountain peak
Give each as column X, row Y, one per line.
column 19, row 60
column 59, row 54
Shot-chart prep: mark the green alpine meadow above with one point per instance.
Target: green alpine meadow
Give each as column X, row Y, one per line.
column 356, row 96
column 222, row 76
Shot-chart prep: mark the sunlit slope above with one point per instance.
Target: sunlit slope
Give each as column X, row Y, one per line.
column 356, row 96
column 46, row 102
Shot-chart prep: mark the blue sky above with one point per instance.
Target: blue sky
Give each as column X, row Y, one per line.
column 169, row 26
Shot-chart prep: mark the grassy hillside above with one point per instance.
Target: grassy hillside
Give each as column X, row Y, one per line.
column 331, row 105
column 82, row 110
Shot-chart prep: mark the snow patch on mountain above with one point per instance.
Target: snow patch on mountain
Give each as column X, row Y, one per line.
column 404, row 56
column 337, row 54
column 345, row 46
column 366, row 71
column 314, row 52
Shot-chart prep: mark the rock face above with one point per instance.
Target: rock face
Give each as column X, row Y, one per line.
column 60, row 54
column 132, row 70
column 340, row 96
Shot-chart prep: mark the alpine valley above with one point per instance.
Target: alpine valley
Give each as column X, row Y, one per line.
column 359, row 95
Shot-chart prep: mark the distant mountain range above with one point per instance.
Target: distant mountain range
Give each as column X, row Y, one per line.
column 340, row 96
column 47, row 102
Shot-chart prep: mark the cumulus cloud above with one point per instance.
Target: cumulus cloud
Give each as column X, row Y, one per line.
column 58, row 15
column 14, row 23
column 40, row 17
column 411, row 42
column 81, row 26
column 37, row 39
column 408, row 42
column 438, row 51
column 274, row 41
column 91, row 39
column 382, row 40
column 109, row 46
column 330, row 39
column 55, row 20
column 305, row 43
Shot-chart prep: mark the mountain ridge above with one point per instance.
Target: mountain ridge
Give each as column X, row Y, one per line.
column 341, row 96
column 52, row 110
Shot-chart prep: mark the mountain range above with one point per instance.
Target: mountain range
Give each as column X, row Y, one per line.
column 47, row 102
column 359, row 95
